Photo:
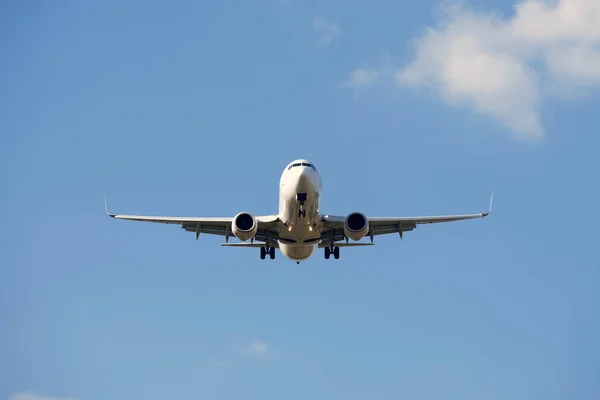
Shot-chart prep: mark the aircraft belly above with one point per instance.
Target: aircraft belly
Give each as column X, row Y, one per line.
column 297, row 252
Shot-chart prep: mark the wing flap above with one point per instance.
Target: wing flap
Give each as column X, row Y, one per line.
column 424, row 220
column 173, row 220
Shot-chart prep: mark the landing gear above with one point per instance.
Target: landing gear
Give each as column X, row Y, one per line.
column 301, row 198
column 335, row 250
column 267, row 250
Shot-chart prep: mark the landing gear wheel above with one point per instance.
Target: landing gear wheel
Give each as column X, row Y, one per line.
column 263, row 253
column 272, row 252
column 327, row 253
column 336, row 253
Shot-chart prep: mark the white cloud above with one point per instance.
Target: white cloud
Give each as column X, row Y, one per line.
column 363, row 77
column 34, row 396
column 360, row 78
column 326, row 30
column 257, row 348
column 250, row 348
column 503, row 67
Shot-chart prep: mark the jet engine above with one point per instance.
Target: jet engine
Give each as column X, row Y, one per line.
column 356, row 226
column 244, row 226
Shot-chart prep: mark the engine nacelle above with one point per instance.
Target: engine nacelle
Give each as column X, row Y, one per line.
column 244, row 226
column 356, row 226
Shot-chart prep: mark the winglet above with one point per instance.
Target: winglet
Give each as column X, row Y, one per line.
column 490, row 210
column 106, row 206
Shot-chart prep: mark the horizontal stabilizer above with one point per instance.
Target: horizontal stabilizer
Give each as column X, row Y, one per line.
column 322, row 245
column 255, row 244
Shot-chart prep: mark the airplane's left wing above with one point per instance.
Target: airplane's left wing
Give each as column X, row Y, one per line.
column 334, row 225
column 209, row 225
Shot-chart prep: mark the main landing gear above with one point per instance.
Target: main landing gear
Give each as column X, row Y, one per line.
column 267, row 250
column 332, row 250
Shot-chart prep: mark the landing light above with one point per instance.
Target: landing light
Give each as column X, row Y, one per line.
column 290, row 228
column 310, row 228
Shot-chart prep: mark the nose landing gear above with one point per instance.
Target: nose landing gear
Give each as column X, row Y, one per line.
column 301, row 198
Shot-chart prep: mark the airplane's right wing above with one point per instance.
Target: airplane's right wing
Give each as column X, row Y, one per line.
column 208, row 225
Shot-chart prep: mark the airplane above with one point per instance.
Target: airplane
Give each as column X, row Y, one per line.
column 299, row 228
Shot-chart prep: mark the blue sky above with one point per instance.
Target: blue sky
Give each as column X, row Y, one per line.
column 195, row 108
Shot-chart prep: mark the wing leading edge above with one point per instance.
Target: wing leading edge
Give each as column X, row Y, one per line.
column 334, row 225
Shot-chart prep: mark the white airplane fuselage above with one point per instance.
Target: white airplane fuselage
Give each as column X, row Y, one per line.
column 299, row 195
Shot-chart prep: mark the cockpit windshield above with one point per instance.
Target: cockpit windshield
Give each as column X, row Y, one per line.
column 303, row 164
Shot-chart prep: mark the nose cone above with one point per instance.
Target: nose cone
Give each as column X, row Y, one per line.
column 304, row 179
